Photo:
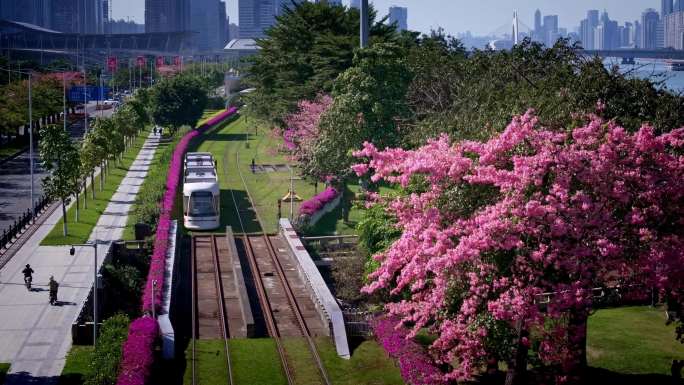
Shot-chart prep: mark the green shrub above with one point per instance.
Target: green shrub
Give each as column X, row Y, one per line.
column 104, row 364
column 152, row 190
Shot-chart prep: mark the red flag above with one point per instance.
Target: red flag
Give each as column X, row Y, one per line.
column 160, row 61
column 112, row 63
column 141, row 61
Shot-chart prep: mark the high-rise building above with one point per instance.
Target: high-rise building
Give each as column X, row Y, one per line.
column 550, row 30
column 599, row 37
column 255, row 17
column 167, row 15
column 674, row 30
column 587, row 26
column 223, row 24
column 638, row 28
column 666, row 7
column 78, row 16
column 204, row 20
column 678, row 6
column 649, row 33
column 36, row 12
column 628, row 38
column 355, row 4
column 399, row 15
column 537, row 21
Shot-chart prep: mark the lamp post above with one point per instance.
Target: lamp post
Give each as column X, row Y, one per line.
column 364, row 24
column 72, row 251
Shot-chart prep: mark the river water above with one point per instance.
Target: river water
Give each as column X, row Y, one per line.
column 652, row 69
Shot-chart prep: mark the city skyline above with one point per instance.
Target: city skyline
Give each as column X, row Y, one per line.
column 480, row 18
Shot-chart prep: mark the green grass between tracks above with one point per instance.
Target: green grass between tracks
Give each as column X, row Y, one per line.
column 632, row 340
column 77, row 365
column 244, row 138
column 79, row 232
column 255, row 361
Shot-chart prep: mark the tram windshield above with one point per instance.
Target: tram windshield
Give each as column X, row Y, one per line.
column 201, row 204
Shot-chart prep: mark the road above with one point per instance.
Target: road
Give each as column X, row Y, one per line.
column 15, row 181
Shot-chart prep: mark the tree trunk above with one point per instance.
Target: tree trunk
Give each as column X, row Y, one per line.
column 92, row 182
column 517, row 370
column 64, row 217
column 78, row 206
column 577, row 331
column 85, row 193
column 102, row 171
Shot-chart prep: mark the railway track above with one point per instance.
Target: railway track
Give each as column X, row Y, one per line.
column 282, row 313
column 209, row 303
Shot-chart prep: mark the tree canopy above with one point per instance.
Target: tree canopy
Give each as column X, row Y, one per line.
column 302, row 55
column 487, row 228
column 178, row 101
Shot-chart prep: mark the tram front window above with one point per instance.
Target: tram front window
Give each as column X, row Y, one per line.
column 201, row 204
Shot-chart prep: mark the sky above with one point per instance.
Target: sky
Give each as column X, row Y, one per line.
column 481, row 17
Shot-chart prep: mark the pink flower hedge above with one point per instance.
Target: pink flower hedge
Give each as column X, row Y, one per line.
column 140, row 346
column 415, row 365
column 137, row 357
column 311, row 206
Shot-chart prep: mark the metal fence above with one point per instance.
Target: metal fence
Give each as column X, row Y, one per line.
column 358, row 322
column 10, row 235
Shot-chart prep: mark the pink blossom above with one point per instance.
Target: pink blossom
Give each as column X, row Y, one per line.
column 593, row 204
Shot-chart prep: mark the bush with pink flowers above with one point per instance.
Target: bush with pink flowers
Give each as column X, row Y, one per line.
column 313, row 205
column 494, row 225
column 138, row 349
column 137, row 357
column 414, row 363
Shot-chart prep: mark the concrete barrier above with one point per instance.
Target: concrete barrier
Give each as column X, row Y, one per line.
column 241, row 288
column 165, row 327
column 324, row 299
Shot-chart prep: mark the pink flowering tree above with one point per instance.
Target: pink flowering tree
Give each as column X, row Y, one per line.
column 302, row 128
column 488, row 228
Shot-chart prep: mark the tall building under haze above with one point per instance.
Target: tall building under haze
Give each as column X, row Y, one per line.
column 167, row 15
column 399, row 15
column 255, row 17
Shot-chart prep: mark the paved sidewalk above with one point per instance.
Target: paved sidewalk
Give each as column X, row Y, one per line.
column 34, row 336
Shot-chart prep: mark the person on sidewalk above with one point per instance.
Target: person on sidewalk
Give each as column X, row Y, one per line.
column 53, row 285
column 28, row 275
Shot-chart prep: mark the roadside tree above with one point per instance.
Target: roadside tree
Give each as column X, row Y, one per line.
column 178, row 101
column 59, row 157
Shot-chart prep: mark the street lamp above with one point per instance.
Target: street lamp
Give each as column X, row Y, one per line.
column 72, row 251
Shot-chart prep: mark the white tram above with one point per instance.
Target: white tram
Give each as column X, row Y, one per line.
column 201, row 192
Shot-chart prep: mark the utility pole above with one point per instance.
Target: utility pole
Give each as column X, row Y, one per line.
column 364, row 23
column 30, row 111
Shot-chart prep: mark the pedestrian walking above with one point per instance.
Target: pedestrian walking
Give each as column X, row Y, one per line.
column 53, row 286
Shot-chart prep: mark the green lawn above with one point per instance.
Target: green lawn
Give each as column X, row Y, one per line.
column 369, row 365
column 206, row 115
column 245, row 139
column 77, row 365
column 255, row 361
column 632, row 340
column 79, row 232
